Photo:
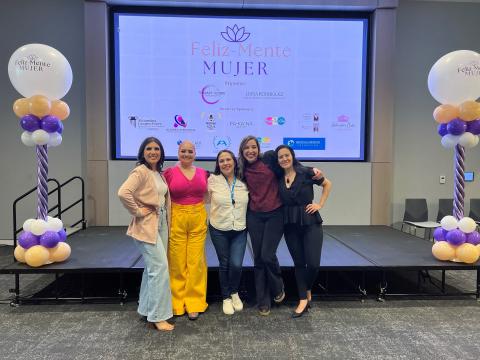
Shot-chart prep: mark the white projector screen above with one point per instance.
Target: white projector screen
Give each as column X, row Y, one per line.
column 211, row 79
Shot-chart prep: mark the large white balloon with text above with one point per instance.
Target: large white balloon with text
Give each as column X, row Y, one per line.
column 455, row 77
column 37, row 69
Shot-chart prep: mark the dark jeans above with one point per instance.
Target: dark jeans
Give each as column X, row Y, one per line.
column 305, row 246
column 230, row 248
column 266, row 230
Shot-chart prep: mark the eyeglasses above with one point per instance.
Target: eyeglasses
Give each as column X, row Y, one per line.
column 154, row 148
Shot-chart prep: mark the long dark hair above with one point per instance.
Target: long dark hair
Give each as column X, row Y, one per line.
column 242, row 162
column 235, row 162
column 296, row 164
column 141, row 158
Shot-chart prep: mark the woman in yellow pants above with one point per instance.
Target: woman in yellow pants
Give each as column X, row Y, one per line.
column 186, row 249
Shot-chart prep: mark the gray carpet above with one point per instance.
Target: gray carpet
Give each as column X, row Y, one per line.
column 396, row 329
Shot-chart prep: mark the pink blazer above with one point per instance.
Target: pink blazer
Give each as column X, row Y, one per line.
column 139, row 191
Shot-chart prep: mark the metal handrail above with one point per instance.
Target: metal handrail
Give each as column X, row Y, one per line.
column 58, row 206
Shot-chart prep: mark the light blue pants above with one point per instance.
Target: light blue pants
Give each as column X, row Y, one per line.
column 155, row 295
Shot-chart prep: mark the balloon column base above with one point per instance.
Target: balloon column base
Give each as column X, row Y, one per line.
column 42, row 242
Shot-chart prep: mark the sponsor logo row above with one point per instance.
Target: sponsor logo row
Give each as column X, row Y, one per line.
column 310, row 122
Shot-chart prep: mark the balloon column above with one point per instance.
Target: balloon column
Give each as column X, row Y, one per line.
column 454, row 81
column 43, row 76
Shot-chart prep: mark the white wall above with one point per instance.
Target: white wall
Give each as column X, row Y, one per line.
column 57, row 23
column 425, row 32
column 351, row 185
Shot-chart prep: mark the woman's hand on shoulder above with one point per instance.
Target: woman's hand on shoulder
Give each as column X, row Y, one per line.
column 317, row 174
column 312, row 208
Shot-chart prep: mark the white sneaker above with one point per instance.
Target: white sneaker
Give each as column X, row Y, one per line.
column 228, row 307
column 237, row 302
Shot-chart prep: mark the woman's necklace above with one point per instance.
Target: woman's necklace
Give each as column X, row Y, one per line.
column 289, row 178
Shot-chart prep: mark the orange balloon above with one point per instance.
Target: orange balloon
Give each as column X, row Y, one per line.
column 36, row 256
column 442, row 250
column 469, row 110
column 19, row 254
column 467, row 253
column 21, row 107
column 60, row 109
column 445, row 113
column 61, row 252
column 39, row 105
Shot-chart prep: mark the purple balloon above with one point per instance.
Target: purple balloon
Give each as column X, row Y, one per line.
column 474, row 127
column 60, row 129
column 456, row 127
column 49, row 239
column 456, row 237
column 50, row 123
column 63, row 235
column 26, row 240
column 439, row 234
column 473, row 238
column 30, row 123
column 442, row 129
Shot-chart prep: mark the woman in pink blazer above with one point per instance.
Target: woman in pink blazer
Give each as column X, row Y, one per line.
column 145, row 195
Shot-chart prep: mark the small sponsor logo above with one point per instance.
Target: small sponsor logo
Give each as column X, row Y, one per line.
column 264, row 95
column 210, row 119
column 222, row 142
column 343, row 123
column 179, row 125
column 305, row 143
column 179, row 121
column 275, row 120
column 211, row 95
column 240, row 124
column 197, row 143
column 138, row 122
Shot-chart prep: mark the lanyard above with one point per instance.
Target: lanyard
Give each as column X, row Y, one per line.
column 232, row 190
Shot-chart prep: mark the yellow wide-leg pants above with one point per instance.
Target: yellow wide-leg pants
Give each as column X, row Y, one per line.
column 186, row 258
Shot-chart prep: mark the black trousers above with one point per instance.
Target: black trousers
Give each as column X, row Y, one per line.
column 305, row 246
column 266, row 230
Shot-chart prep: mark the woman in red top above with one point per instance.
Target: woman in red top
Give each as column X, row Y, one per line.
column 264, row 220
column 264, row 223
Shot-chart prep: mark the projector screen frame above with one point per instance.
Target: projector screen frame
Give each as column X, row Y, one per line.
column 366, row 16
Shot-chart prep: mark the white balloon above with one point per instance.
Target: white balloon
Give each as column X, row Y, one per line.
column 455, row 77
column 449, row 222
column 55, row 139
column 467, row 225
column 54, row 224
column 40, row 137
column 38, row 227
column 27, row 138
column 37, row 69
column 468, row 140
column 449, row 141
column 27, row 225
column 476, row 141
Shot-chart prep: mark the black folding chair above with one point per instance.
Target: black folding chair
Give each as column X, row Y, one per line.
column 416, row 217
column 475, row 210
column 445, row 207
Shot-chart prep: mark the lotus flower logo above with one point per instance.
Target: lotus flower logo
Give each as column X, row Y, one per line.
column 235, row 34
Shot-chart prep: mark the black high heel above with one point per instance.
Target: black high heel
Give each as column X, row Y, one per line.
column 300, row 314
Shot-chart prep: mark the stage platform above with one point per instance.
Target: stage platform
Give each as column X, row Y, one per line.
column 370, row 252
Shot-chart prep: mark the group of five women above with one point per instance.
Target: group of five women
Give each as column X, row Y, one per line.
column 268, row 195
